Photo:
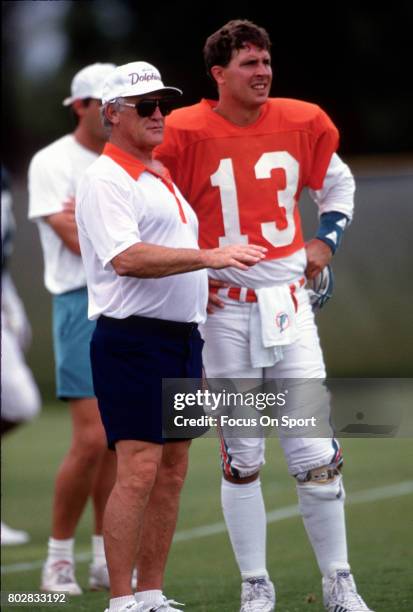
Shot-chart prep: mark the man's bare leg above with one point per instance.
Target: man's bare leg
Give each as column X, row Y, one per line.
column 102, row 487
column 137, row 468
column 161, row 516
column 78, row 471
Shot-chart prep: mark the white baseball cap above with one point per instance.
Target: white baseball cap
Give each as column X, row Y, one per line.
column 135, row 79
column 88, row 82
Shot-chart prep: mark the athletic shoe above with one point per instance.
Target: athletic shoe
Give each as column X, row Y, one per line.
column 257, row 595
column 59, row 577
column 340, row 593
column 160, row 605
column 12, row 537
column 98, row 577
column 133, row 606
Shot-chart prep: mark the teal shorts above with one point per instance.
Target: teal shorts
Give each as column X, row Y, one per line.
column 72, row 332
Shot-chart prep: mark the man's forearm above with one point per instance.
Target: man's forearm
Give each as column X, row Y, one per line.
column 63, row 223
column 145, row 260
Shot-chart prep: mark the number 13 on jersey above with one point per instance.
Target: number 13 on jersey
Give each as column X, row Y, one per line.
column 224, row 179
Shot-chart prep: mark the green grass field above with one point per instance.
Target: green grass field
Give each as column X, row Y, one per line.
column 201, row 570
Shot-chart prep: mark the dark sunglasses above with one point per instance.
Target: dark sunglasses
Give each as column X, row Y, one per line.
column 147, row 106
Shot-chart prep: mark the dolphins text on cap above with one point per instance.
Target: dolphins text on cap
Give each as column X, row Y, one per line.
column 147, row 76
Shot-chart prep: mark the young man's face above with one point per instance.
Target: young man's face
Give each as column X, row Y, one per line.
column 247, row 78
column 89, row 115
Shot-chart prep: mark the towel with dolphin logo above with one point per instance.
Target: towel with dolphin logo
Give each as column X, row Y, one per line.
column 272, row 325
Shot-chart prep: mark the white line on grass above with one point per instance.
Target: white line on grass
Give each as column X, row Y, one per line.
column 401, row 488
column 360, row 497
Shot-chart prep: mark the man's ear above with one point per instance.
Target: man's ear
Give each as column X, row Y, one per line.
column 78, row 107
column 217, row 73
column 111, row 114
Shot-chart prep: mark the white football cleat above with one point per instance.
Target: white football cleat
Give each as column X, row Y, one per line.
column 59, row 577
column 98, row 577
column 133, row 606
column 12, row 537
column 257, row 595
column 162, row 604
column 340, row 593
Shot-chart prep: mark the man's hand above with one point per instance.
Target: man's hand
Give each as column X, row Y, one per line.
column 319, row 256
column 320, row 288
column 240, row 256
column 213, row 300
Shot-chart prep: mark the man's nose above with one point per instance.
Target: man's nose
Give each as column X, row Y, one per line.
column 264, row 69
column 157, row 113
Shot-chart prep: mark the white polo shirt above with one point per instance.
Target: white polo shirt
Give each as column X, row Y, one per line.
column 119, row 203
column 54, row 173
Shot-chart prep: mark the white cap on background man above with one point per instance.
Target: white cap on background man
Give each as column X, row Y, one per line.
column 88, row 82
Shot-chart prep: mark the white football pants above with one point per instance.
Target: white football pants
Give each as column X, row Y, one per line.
column 227, row 355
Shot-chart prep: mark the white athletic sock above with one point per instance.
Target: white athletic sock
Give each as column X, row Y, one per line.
column 153, row 596
column 244, row 513
column 322, row 509
column 60, row 550
column 98, row 550
column 117, row 603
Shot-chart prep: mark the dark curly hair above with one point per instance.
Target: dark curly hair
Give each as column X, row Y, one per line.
column 233, row 36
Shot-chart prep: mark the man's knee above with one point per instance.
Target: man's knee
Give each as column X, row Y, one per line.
column 89, row 438
column 137, row 465
column 172, row 479
column 321, row 484
column 241, row 480
column 325, row 474
column 174, row 465
column 89, row 445
column 139, row 478
column 241, row 463
column 140, row 483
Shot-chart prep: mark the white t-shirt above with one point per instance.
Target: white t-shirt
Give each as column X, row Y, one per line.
column 116, row 210
column 54, row 174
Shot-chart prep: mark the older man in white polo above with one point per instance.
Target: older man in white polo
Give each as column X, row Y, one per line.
column 148, row 290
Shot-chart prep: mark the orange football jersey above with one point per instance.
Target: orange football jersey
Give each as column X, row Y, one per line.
column 244, row 183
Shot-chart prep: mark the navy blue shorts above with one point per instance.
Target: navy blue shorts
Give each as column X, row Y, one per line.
column 130, row 357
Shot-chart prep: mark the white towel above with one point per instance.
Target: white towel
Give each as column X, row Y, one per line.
column 272, row 325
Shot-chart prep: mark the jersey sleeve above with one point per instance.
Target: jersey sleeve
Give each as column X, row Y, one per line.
column 49, row 186
column 325, row 143
column 337, row 194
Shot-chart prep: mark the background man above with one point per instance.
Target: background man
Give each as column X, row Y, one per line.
column 20, row 399
column 242, row 162
column 87, row 469
column 148, row 291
